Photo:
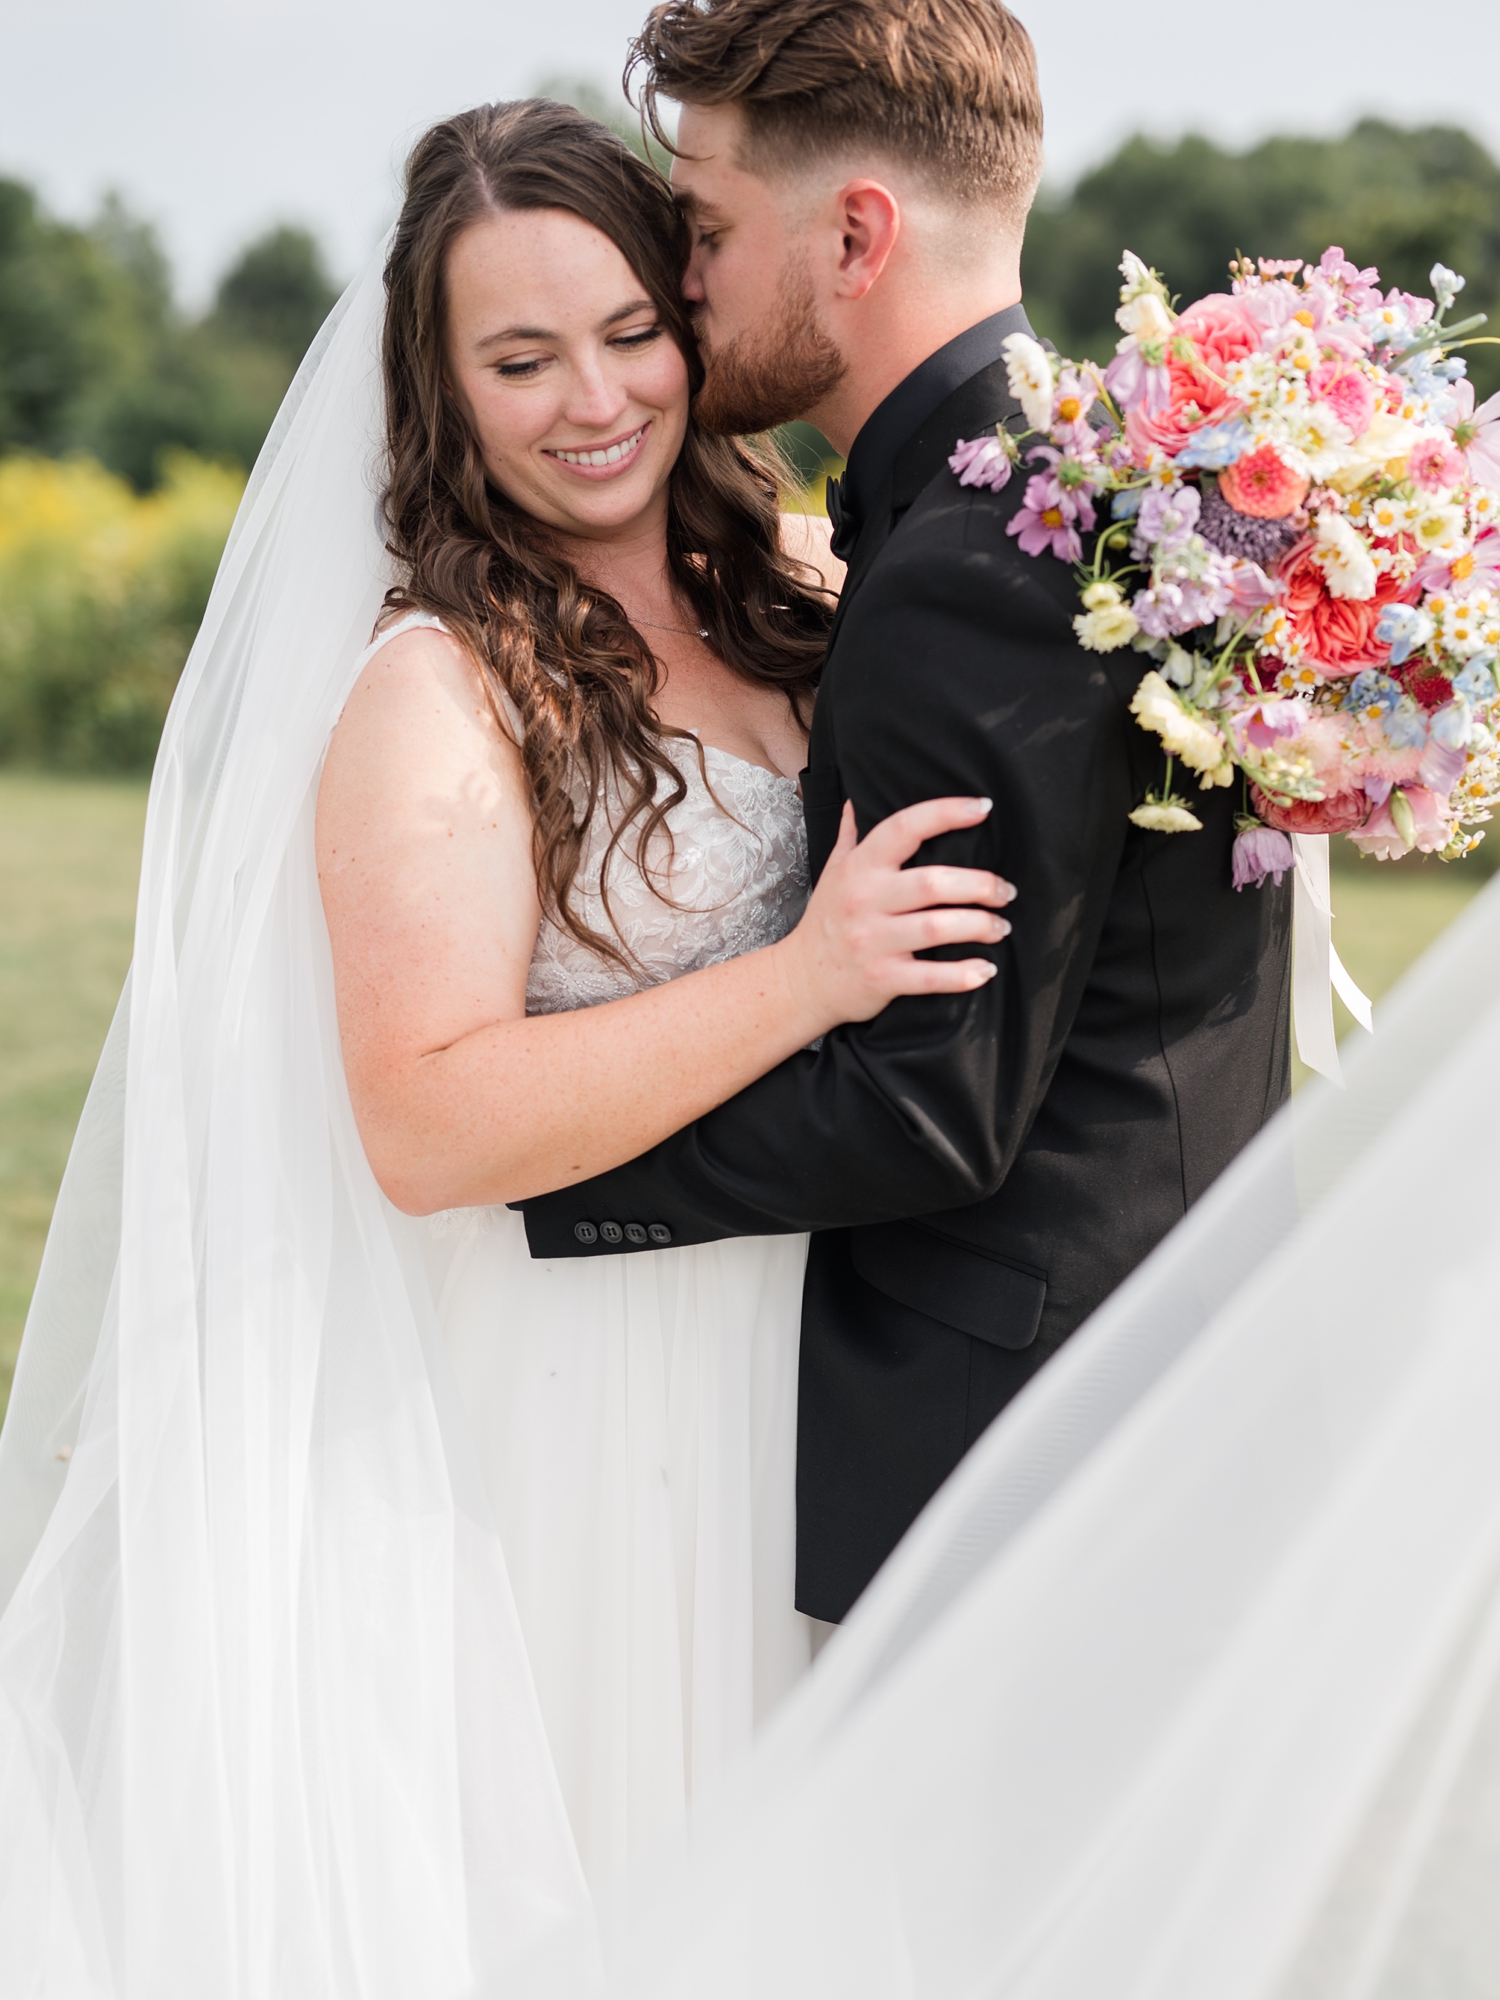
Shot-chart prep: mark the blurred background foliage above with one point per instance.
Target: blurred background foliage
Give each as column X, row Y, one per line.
column 127, row 424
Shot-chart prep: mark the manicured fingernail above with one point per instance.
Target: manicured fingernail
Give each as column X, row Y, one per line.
column 984, row 804
column 1004, row 928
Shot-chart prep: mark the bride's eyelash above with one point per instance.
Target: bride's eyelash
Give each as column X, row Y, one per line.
column 521, row 371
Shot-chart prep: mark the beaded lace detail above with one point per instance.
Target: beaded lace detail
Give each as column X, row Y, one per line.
column 737, row 880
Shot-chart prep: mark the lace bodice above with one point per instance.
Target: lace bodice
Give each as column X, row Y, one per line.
column 737, row 880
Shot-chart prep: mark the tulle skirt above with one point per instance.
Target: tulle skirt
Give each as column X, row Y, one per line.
column 634, row 1419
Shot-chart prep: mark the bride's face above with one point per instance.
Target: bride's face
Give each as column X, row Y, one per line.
column 577, row 392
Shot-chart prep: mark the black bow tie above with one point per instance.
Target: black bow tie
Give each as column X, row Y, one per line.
column 842, row 520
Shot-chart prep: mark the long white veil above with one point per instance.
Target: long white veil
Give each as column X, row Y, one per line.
column 266, row 1722
column 1188, row 1683
column 1184, row 1686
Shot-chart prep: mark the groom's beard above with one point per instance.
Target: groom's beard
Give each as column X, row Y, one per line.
column 772, row 373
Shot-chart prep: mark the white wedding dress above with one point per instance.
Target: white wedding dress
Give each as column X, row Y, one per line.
column 634, row 1416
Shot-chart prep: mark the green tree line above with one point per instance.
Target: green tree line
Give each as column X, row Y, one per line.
column 96, row 357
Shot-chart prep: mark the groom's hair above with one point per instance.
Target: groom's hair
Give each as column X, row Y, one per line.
column 948, row 87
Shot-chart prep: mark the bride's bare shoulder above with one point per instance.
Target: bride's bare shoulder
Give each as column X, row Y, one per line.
column 424, row 677
column 418, row 742
column 806, row 538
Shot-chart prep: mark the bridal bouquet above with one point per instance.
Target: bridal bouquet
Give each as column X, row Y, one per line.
column 1303, row 537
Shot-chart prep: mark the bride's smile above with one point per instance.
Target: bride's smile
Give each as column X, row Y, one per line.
column 577, row 393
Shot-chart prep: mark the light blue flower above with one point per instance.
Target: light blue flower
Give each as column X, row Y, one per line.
column 1405, row 726
column 1477, row 682
column 1405, row 630
column 1372, row 689
column 1450, row 724
column 1402, row 723
column 1217, row 446
column 1127, row 503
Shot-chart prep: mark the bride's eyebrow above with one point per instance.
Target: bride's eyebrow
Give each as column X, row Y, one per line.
column 507, row 333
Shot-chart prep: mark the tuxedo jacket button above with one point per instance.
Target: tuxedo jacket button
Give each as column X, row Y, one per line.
column 635, row 1232
column 659, row 1233
column 611, row 1232
column 585, row 1232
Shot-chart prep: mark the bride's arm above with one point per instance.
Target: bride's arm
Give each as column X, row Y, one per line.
column 425, row 861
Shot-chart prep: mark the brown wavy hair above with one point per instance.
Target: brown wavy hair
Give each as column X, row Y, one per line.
column 563, row 650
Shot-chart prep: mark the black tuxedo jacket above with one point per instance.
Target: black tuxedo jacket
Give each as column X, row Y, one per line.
column 980, row 1170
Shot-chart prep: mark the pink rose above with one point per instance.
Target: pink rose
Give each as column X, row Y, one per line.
column 1348, row 392
column 1222, row 329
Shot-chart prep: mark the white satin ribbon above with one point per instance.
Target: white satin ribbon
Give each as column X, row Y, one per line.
column 1317, row 970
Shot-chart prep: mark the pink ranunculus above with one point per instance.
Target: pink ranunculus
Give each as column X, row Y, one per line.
column 1222, row 329
column 1340, row 812
column 1436, row 463
column 1263, row 485
column 1348, row 392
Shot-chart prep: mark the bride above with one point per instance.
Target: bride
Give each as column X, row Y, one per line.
column 561, row 855
column 373, row 1594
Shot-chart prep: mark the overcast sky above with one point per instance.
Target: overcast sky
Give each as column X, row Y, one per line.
column 217, row 117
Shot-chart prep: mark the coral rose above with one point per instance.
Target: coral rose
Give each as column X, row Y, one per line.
column 1263, row 485
column 1223, row 330
column 1341, row 813
column 1338, row 633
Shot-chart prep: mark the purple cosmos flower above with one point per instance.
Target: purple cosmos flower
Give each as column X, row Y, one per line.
column 1259, row 851
column 982, row 462
column 1050, row 516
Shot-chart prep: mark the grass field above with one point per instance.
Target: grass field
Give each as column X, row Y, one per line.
column 69, row 853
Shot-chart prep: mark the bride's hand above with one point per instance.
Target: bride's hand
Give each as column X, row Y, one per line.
column 869, row 914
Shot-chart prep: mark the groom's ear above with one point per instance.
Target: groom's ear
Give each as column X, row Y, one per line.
column 867, row 221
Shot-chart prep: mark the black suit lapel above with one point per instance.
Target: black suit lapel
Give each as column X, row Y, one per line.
column 971, row 409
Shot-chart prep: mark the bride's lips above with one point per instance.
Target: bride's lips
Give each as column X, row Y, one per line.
column 580, row 459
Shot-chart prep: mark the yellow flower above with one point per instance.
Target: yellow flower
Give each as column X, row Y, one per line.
column 1165, row 816
column 1198, row 743
column 1107, row 629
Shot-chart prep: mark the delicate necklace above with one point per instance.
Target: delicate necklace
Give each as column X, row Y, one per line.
column 681, row 630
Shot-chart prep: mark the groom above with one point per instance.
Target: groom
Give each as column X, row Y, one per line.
column 980, row 1171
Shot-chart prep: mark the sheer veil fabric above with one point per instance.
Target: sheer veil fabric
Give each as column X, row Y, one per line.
column 1188, row 1683
column 266, row 1721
